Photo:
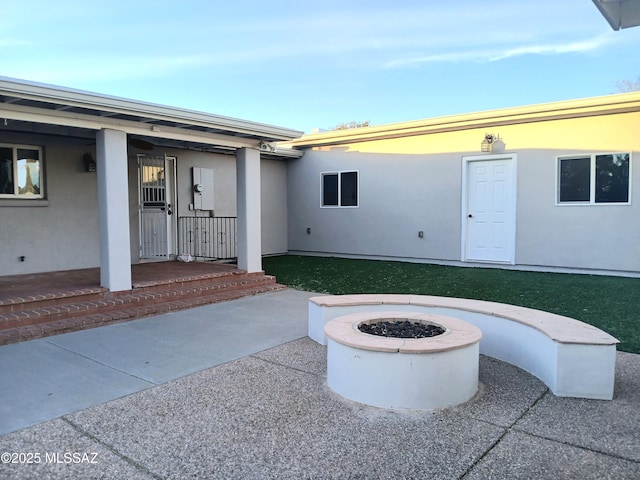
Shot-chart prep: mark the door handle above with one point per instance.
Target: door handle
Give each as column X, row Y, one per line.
column 470, row 216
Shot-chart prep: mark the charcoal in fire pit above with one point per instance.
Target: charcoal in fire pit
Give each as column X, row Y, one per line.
column 401, row 329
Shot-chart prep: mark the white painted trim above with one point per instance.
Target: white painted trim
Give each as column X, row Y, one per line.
column 172, row 221
column 465, row 207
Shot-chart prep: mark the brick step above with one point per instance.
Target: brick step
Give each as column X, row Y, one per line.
column 108, row 302
column 52, row 299
column 60, row 298
column 199, row 279
column 130, row 311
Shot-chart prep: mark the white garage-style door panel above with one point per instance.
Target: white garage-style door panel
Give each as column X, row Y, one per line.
column 489, row 210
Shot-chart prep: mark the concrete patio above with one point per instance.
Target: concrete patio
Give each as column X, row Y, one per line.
column 237, row 390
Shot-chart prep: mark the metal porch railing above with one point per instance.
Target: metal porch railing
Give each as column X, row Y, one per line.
column 210, row 238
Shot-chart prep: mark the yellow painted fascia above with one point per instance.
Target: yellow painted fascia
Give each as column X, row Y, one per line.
column 587, row 107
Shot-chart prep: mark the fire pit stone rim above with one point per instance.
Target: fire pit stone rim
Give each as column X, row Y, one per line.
column 457, row 334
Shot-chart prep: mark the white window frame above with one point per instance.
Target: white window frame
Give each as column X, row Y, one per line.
column 339, row 174
column 592, row 179
column 18, row 196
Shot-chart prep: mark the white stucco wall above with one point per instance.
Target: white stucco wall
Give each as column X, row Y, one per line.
column 224, row 180
column 406, row 185
column 273, row 178
column 273, row 191
column 597, row 236
column 414, row 183
column 62, row 234
column 399, row 195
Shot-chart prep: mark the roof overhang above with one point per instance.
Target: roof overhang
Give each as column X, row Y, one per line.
column 38, row 108
column 588, row 107
column 620, row 13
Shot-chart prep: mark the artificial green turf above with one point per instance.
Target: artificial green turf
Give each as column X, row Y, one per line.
column 609, row 303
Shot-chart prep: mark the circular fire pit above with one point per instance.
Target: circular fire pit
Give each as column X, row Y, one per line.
column 403, row 373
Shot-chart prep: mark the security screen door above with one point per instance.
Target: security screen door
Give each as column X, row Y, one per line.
column 156, row 205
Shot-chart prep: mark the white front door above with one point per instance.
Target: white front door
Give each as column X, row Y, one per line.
column 489, row 210
column 156, row 206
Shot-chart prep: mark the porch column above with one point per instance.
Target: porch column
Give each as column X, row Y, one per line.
column 113, row 207
column 249, row 222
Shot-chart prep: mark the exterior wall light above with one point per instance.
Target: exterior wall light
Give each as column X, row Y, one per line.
column 485, row 146
column 492, row 143
column 89, row 162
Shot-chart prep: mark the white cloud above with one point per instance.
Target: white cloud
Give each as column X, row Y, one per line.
column 552, row 49
column 502, row 52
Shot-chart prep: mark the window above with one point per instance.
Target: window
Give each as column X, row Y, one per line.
column 612, row 178
column 20, row 172
column 339, row 189
column 330, row 190
column 594, row 178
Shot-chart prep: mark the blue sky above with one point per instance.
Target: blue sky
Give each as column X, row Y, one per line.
column 319, row 63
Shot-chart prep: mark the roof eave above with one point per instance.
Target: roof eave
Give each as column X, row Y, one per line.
column 620, row 13
column 533, row 113
column 79, row 98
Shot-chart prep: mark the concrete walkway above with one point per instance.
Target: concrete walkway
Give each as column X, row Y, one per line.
column 237, row 390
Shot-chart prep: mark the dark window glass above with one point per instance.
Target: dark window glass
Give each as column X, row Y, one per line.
column 330, row 190
column 6, row 171
column 575, row 179
column 612, row 178
column 349, row 189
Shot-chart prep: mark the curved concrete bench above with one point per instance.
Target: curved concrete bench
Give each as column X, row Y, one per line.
column 572, row 358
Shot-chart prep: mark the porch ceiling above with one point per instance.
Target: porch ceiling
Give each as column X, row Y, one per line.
column 44, row 109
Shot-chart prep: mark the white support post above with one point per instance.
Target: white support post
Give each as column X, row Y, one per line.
column 249, row 221
column 113, row 206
